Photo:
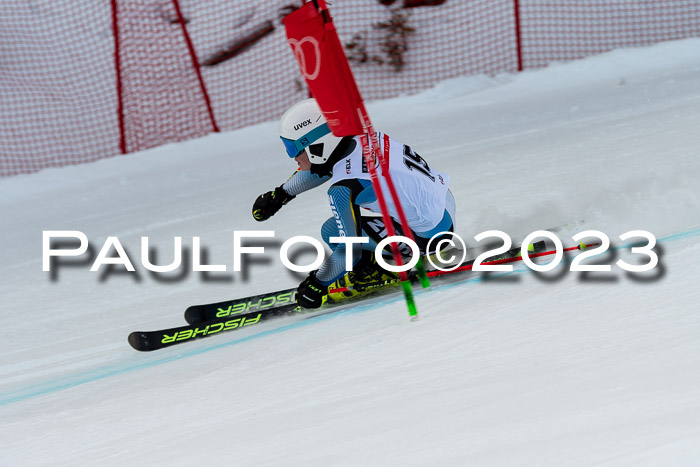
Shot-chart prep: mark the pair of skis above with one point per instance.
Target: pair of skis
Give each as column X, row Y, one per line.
column 216, row 318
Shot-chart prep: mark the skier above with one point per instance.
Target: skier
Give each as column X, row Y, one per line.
column 424, row 195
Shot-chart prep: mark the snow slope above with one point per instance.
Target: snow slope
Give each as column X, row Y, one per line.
column 556, row 369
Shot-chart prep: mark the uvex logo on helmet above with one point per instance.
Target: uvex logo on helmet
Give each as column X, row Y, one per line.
column 302, row 124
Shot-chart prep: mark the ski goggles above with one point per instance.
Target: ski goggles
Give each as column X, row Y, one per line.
column 296, row 147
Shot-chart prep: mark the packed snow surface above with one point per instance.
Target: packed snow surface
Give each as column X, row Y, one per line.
column 549, row 369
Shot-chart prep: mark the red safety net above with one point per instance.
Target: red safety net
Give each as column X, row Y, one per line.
column 185, row 67
column 560, row 31
column 58, row 104
column 161, row 93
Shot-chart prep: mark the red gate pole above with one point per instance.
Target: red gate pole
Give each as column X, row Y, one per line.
column 330, row 80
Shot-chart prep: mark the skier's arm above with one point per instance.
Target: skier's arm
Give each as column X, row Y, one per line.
column 267, row 204
column 302, row 181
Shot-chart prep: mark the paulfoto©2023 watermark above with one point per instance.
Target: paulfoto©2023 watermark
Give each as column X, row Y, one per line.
column 455, row 244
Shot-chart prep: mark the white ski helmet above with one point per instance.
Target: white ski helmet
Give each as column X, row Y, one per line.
column 302, row 126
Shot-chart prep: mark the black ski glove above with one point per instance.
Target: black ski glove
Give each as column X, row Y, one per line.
column 311, row 292
column 269, row 203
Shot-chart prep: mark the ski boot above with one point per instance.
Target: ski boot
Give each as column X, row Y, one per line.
column 366, row 277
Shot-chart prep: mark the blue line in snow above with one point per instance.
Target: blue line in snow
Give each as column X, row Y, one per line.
column 106, row 372
column 71, row 381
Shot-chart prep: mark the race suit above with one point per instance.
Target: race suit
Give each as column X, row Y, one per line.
column 423, row 194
